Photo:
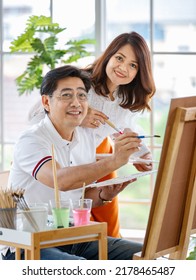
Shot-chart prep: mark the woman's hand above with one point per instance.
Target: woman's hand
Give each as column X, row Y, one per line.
column 144, row 166
column 94, row 118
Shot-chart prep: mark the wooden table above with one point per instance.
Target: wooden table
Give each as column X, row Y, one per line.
column 32, row 242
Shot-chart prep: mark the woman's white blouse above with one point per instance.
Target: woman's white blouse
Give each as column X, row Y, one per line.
column 122, row 118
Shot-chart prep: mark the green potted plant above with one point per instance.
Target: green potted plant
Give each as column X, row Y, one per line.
column 40, row 38
column 192, row 246
column 192, row 255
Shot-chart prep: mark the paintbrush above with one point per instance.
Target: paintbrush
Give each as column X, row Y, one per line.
column 121, row 132
column 113, row 126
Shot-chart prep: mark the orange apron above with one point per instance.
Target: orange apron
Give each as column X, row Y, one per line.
column 109, row 212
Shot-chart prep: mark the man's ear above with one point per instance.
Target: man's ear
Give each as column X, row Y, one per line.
column 45, row 102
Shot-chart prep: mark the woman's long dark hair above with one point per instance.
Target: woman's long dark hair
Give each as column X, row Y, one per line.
column 135, row 95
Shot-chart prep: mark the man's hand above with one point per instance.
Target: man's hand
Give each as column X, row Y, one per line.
column 109, row 192
column 106, row 193
column 125, row 145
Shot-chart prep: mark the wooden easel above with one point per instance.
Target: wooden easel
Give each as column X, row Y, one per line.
column 172, row 216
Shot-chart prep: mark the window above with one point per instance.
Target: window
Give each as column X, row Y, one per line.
column 14, row 108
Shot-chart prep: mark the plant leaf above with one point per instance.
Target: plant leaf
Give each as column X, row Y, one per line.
column 40, row 38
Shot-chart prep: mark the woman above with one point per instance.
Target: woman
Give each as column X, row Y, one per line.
column 123, row 85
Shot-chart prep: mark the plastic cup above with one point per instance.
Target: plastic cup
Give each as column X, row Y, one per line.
column 81, row 210
column 36, row 218
column 8, row 218
column 60, row 213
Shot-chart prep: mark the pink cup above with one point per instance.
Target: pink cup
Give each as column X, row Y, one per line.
column 81, row 211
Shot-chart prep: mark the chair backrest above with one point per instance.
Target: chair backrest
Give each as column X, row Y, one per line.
column 4, row 178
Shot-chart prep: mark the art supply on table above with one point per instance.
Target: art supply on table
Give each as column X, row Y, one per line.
column 8, row 209
column 82, row 198
column 56, row 189
column 18, row 196
column 60, row 209
column 61, row 214
column 10, row 200
column 81, row 215
column 39, row 212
